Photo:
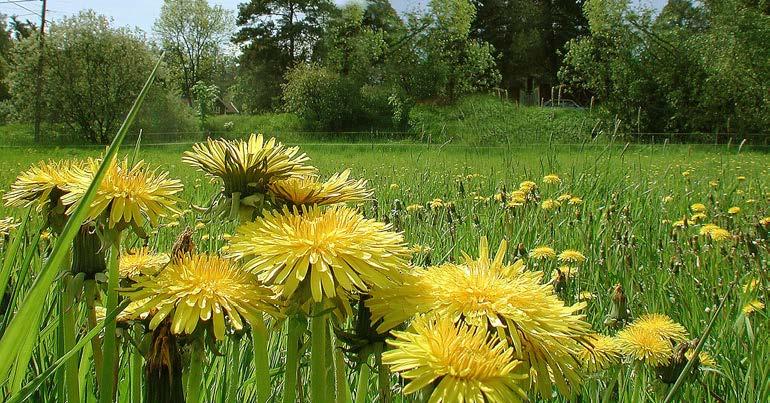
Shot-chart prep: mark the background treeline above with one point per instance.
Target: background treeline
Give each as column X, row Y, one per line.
column 313, row 65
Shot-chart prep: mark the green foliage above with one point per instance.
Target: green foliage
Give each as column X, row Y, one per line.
column 93, row 74
column 323, row 98
column 205, row 96
column 693, row 68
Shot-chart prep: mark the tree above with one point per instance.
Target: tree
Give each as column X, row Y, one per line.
column 274, row 36
column 193, row 32
column 94, row 74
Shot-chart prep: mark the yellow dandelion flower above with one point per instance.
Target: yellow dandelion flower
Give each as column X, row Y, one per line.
column 43, row 184
column 575, row 201
column 741, row 178
column 753, row 306
column 394, row 186
column 527, row 186
column 705, row 359
column 550, row 204
column 719, row 234
column 542, row 252
column 140, row 262
column 713, row 183
column 734, row 210
column 203, row 288
column 667, row 199
column 651, row 339
column 604, row 352
column 436, row 204
column 128, row 194
column 751, row 285
column 490, row 294
column 571, row 256
column 707, row 228
column 679, row 224
column 247, row 167
column 698, row 217
column 563, row 198
column 315, row 251
column 308, row 190
column 552, row 179
column 765, row 222
column 462, row 362
column 698, row 208
column 586, row 296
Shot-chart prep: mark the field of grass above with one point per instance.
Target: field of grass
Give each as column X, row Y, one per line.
column 630, row 211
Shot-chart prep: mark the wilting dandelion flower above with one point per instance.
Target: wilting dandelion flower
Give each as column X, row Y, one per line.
column 314, row 252
column 552, row 179
column 651, row 339
column 463, row 363
column 139, row 262
column 542, row 253
column 753, row 306
column 247, row 167
column 490, row 294
column 127, row 195
column 571, row 256
column 202, row 288
column 308, row 190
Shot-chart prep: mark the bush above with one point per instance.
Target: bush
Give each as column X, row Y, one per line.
column 165, row 116
column 324, row 99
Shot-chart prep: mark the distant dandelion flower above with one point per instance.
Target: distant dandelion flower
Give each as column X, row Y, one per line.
column 139, row 262
column 704, row 358
column 575, row 201
column 698, row 217
column 128, row 194
column 564, row 198
column 542, row 252
column 202, row 288
column 586, row 296
column 667, row 199
column 413, row 208
column 719, row 234
column 308, row 190
column 461, row 361
column 753, row 306
column 527, row 186
column 552, row 179
column 317, row 251
column 550, row 204
column 741, row 178
column 571, row 256
column 733, row 210
column 436, row 204
column 707, row 228
column 765, row 222
column 698, row 208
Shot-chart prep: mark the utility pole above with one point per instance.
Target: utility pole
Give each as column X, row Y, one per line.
column 39, row 84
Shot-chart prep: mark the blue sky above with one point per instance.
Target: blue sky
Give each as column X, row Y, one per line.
column 142, row 13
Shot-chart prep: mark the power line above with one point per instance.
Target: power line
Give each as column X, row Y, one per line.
column 17, row 4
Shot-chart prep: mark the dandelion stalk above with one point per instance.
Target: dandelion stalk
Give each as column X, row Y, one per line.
column 70, row 322
column 362, row 388
column 110, row 347
column 343, row 389
column 318, row 354
column 295, row 328
column 195, row 374
column 136, row 366
column 96, row 345
column 261, row 361
column 233, row 370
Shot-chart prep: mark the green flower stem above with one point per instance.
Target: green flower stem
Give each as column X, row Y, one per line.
column 136, row 366
column 318, row 354
column 70, row 321
column 235, row 205
column 195, row 374
column 110, row 347
column 362, row 388
column 96, row 345
column 343, row 388
column 383, row 374
column 261, row 361
column 233, row 370
column 295, row 327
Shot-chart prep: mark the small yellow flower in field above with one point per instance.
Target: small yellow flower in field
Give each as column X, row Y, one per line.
column 733, row 210
column 436, row 204
column 714, row 183
column 527, row 186
column 394, row 186
column 518, row 195
column 753, row 306
column 719, row 234
column 740, row 192
column 698, row 208
column 320, row 253
column 462, row 362
column 205, row 237
column 667, row 199
column 686, row 174
column 751, row 201
column 199, row 225
column 765, row 222
column 698, row 217
column 563, row 198
column 207, row 289
column 707, row 228
column 741, row 178
column 481, row 199
column 575, row 201
column 413, row 208
column 542, row 252
column 550, row 204
column 571, row 256
column 139, row 262
column 651, row 338
column 45, row 235
column 499, row 197
column 751, row 285
column 704, row 358
column 679, row 224
column 586, row 296
column 569, row 271
column 552, row 179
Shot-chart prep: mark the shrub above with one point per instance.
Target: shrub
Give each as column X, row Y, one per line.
column 324, row 99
